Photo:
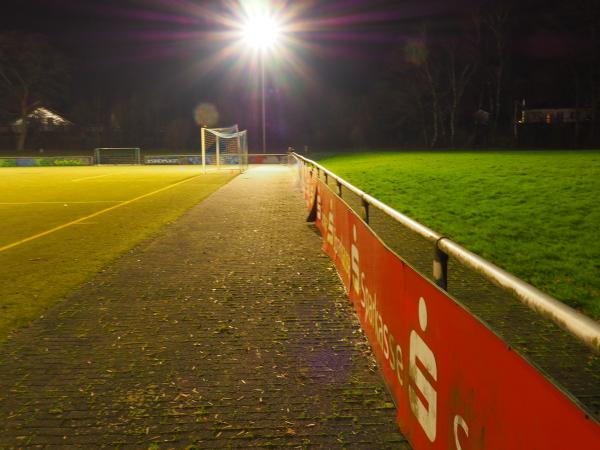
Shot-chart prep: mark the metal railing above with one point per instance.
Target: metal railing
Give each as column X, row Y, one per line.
column 268, row 158
column 582, row 327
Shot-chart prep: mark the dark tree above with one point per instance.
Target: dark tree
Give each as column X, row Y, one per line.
column 177, row 134
column 498, row 22
column 32, row 74
column 425, row 64
column 585, row 15
column 463, row 60
column 416, row 79
column 431, row 75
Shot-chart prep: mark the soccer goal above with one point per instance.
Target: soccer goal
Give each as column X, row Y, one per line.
column 225, row 148
column 117, row 155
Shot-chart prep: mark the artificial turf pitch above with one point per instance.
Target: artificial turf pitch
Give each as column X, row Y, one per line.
column 534, row 213
column 60, row 225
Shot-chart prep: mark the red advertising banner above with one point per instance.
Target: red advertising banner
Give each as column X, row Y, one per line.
column 308, row 177
column 456, row 384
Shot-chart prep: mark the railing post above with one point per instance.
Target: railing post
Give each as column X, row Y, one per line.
column 326, row 178
column 202, row 137
column 218, row 150
column 365, row 210
column 440, row 268
column 339, row 188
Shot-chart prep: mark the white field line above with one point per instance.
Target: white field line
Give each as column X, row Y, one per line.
column 81, row 219
column 67, row 202
column 94, row 176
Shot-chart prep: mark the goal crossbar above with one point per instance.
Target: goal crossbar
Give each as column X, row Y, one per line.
column 224, row 146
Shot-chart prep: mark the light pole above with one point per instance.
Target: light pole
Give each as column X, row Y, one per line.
column 264, row 109
column 261, row 33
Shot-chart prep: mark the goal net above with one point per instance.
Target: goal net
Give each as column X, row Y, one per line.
column 225, row 148
column 117, row 156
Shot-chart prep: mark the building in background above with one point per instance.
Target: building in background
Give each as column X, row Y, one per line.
column 47, row 129
column 551, row 127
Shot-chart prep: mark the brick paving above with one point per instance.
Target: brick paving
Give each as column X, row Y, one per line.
column 228, row 329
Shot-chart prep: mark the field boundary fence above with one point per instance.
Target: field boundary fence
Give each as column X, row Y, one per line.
column 117, row 155
column 457, row 383
column 581, row 326
column 196, row 159
column 148, row 159
column 172, row 160
column 268, row 158
column 45, row 161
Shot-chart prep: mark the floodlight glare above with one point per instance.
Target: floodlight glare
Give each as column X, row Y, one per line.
column 261, row 32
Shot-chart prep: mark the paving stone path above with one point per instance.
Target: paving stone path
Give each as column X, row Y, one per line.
column 228, row 329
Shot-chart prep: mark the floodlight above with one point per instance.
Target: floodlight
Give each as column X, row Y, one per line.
column 261, row 32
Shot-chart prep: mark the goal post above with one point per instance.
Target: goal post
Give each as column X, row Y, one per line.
column 224, row 148
column 117, row 155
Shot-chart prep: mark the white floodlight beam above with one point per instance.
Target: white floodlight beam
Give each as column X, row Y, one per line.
column 261, row 32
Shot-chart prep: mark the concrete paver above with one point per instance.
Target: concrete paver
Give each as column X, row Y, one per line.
column 228, row 329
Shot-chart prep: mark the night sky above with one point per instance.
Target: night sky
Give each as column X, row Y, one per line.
column 167, row 49
column 163, row 39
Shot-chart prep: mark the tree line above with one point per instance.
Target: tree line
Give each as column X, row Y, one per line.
column 464, row 80
column 450, row 82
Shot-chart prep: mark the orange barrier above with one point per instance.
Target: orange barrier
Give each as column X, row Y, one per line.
column 455, row 383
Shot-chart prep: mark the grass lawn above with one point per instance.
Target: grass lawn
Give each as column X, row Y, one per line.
column 46, row 250
column 534, row 213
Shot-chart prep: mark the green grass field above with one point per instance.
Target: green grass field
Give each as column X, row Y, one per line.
column 60, row 225
column 534, row 213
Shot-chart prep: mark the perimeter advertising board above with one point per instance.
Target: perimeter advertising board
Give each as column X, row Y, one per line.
column 269, row 158
column 456, row 384
column 21, row 161
column 309, row 181
column 166, row 160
